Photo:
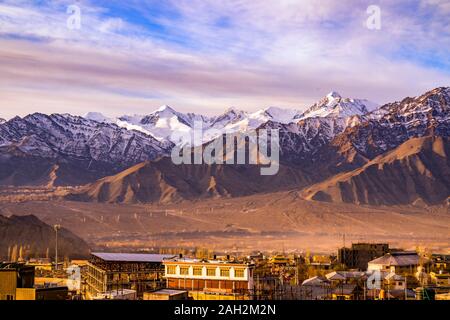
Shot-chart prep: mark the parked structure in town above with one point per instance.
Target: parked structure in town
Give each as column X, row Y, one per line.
column 109, row 272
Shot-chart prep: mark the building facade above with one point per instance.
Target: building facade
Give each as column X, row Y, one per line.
column 14, row 278
column 359, row 255
column 209, row 277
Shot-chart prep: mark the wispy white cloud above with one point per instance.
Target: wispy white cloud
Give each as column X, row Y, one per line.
column 205, row 55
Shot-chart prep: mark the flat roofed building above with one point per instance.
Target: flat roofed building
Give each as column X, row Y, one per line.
column 14, row 276
column 108, row 272
column 212, row 276
column 123, row 294
column 441, row 262
column 41, row 264
column 166, row 294
column 441, row 279
column 359, row 255
column 443, row 296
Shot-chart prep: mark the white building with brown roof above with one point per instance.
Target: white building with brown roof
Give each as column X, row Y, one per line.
column 396, row 262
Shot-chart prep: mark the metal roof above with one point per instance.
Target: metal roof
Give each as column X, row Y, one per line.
column 13, row 266
column 398, row 259
column 315, row 281
column 132, row 257
column 168, row 292
column 204, row 261
column 345, row 275
column 345, row 289
column 395, row 277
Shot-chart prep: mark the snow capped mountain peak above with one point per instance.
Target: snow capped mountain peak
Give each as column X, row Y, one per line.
column 2, row 121
column 281, row 115
column 165, row 109
column 274, row 111
column 230, row 116
column 333, row 95
column 433, row 102
column 167, row 125
column 233, row 110
column 237, row 113
column 334, row 105
column 275, row 114
column 80, row 139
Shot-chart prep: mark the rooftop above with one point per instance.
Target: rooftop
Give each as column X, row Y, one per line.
column 315, row 281
column 398, row 259
column 394, row 277
column 131, row 257
column 168, row 292
column 345, row 289
column 345, row 275
column 205, row 261
column 13, row 266
column 114, row 294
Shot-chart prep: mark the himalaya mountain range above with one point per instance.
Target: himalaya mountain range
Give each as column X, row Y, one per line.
column 338, row 150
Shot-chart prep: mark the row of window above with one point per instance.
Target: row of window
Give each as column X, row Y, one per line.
column 210, row 272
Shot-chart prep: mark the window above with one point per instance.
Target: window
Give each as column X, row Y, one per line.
column 9, row 297
column 239, row 273
column 184, row 271
column 198, row 271
column 211, row 272
column 171, row 269
column 224, row 272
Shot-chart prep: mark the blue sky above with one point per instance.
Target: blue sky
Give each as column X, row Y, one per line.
column 205, row 55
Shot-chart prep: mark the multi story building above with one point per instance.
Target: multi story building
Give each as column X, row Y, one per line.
column 206, row 278
column 17, row 282
column 359, row 255
column 107, row 272
column 14, row 279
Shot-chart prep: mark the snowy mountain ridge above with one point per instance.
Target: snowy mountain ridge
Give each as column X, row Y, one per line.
column 167, row 124
column 73, row 137
column 105, row 146
column 334, row 105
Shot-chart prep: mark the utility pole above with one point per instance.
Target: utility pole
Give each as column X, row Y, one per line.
column 344, row 261
column 406, row 287
column 365, row 293
column 56, row 227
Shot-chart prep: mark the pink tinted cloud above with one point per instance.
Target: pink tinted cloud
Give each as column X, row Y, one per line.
column 293, row 60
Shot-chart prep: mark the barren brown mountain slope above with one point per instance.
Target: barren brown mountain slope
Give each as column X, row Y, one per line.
column 161, row 182
column 418, row 170
column 19, row 169
column 35, row 237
